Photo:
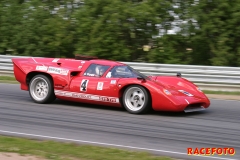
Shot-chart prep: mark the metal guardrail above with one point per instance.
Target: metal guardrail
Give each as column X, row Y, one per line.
column 206, row 77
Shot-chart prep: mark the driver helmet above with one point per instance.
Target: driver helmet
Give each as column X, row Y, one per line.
column 99, row 70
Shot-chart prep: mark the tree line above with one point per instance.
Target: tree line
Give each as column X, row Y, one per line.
column 193, row 32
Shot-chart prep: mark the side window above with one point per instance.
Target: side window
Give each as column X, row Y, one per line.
column 96, row 70
column 120, row 72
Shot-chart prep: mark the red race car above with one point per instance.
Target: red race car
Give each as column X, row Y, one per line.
column 96, row 81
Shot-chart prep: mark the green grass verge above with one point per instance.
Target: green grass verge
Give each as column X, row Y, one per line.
column 7, row 78
column 68, row 151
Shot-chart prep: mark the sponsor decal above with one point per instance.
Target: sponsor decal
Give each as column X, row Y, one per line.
column 211, row 151
column 83, row 86
column 79, row 67
column 83, row 62
column 57, row 70
column 55, row 60
column 89, row 74
column 100, row 86
column 107, row 99
column 86, row 96
column 41, row 68
column 58, row 86
column 81, row 96
column 113, row 82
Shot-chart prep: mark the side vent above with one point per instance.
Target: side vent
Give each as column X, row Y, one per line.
column 75, row 73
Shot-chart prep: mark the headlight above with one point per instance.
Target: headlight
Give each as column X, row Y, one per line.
column 186, row 93
column 167, row 92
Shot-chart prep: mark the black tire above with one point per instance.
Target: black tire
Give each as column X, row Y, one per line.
column 134, row 96
column 41, row 85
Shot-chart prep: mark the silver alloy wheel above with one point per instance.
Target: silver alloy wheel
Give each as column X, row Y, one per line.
column 39, row 89
column 135, row 99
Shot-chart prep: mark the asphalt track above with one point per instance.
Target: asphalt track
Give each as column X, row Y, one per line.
column 167, row 134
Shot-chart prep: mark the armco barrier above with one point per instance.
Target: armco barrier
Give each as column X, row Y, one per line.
column 206, row 77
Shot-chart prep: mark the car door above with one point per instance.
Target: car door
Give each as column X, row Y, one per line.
column 108, row 84
column 84, row 87
column 108, row 89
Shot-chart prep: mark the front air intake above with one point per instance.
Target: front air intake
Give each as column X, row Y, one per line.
column 194, row 107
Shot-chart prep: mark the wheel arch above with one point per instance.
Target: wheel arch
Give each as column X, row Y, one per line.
column 30, row 75
column 50, row 97
column 121, row 91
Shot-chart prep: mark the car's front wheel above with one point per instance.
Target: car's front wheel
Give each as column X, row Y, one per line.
column 136, row 99
column 41, row 89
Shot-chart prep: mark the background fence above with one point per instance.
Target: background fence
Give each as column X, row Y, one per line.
column 206, row 77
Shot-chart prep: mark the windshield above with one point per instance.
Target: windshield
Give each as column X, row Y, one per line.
column 125, row 72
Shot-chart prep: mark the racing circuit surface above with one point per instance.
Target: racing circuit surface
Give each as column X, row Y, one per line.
column 167, row 134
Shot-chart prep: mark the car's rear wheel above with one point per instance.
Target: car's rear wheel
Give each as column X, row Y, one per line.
column 41, row 89
column 136, row 99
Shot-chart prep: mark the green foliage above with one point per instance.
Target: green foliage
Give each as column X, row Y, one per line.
column 171, row 49
column 119, row 30
column 116, row 29
column 31, row 29
column 218, row 34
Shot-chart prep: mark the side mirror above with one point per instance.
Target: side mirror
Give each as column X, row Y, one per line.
column 141, row 78
column 179, row 74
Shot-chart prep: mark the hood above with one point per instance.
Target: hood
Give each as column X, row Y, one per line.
column 177, row 85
